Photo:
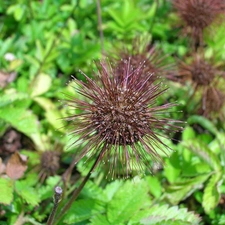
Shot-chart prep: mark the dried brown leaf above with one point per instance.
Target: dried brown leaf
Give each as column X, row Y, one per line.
column 16, row 166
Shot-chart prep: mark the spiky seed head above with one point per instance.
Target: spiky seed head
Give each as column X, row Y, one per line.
column 50, row 162
column 199, row 14
column 143, row 52
column 199, row 71
column 212, row 102
column 202, row 73
column 119, row 118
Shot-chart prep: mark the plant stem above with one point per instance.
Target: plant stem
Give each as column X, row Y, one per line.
column 57, row 198
column 79, row 189
column 100, row 25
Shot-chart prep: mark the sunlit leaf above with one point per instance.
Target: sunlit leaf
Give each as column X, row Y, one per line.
column 6, row 191
column 211, row 194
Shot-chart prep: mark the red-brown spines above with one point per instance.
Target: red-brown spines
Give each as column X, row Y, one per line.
column 199, row 14
column 205, row 78
column 50, row 162
column 212, row 103
column 199, row 71
column 142, row 52
column 120, row 117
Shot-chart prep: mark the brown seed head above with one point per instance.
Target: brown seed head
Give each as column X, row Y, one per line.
column 119, row 118
column 198, row 71
column 50, row 162
column 199, row 14
column 212, row 102
column 142, row 52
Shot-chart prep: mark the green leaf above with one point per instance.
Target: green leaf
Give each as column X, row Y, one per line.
column 188, row 133
column 100, row 219
column 40, row 84
column 10, row 96
column 91, row 190
column 28, row 193
column 208, row 125
column 18, row 13
column 20, row 118
column 47, row 191
column 181, row 190
column 163, row 214
column 82, row 210
column 211, row 194
column 6, row 191
column 128, row 200
column 154, row 186
column 40, row 51
column 112, row 188
column 172, row 169
column 202, row 150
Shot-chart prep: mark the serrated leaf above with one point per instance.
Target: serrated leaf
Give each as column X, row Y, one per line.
column 47, row 191
column 211, row 194
column 112, row 188
column 29, row 194
column 181, row 190
column 91, row 190
column 99, row 219
column 202, row 150
column 172, row 222
column 128, row 200
column 163, row 214
column 82, row 210
column 20, row 118
column 6, row 193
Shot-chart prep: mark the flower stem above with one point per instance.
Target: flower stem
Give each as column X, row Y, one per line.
column 57, row 198
column 100, row 25
column 78, row 190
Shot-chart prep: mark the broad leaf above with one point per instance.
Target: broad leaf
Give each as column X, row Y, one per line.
column 129, row 199
column 82, row 210
column 29, row 194
column 6, row 191
column 20, row 118
column 41, row 84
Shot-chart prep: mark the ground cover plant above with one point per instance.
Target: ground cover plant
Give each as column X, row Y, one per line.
column 112, row 112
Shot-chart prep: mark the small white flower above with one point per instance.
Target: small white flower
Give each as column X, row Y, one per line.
column 9, row 56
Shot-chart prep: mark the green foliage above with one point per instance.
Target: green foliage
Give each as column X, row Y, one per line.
column 43, row 43
column 6, row 193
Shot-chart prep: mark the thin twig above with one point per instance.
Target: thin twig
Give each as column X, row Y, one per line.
column 57, row 198
column 100, row 26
